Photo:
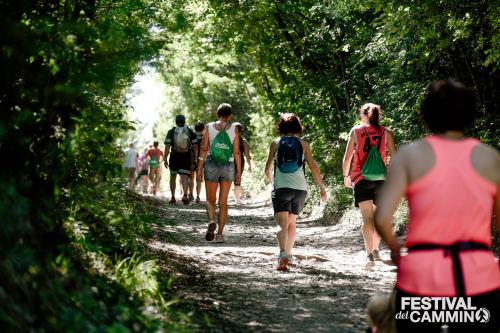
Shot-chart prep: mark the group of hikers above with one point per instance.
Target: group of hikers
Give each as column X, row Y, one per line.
column 143, row 169
column 182, row 149
column 451, row 183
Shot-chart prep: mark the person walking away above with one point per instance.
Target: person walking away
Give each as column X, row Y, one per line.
column 155, row 156
column 220, row 155
column 367, row 149
column 130, row 164
column 180, row 143
column 143, row 174
column 245, row 154
column 289, row 154
column 198, row 130
column 452, row 185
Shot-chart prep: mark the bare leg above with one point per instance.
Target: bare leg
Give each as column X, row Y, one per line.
column 223, row 195
column 292, row 232
column 368, row 229
column 131, row 180
column 376, row 236
column 198, row 187
column 191, row 183
column 185, row 185
column 156, row 179
column 211, row 189
column 181, row 192
column 237, row 193
column 281, row 219
column 144, row 184
column 173, row 178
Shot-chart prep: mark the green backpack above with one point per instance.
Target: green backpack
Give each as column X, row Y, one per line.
column 154, row 163
column 374, row 167
column 221, row 149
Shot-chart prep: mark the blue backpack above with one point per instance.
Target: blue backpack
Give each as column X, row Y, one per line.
column 289, row 155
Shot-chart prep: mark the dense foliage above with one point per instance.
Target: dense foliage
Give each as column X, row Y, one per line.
column 70, row 241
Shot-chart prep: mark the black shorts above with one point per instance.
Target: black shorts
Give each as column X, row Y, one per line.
column 180, row 163
column 365, row 190
column 288, row 200
column 490, row 301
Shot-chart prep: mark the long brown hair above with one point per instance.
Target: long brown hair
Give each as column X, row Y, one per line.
column 372, row 111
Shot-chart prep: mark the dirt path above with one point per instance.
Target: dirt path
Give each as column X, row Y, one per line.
column 325, row 291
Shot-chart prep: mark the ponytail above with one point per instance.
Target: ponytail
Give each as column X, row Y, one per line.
column 373, row 112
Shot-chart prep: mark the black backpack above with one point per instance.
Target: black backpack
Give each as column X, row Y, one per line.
column 289, row 155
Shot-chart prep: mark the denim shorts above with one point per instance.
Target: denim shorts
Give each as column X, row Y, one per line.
column 216, row 172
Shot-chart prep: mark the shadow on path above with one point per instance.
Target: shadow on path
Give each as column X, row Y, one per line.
column 326, row 289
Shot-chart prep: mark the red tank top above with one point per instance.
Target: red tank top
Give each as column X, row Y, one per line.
column 366, row 136
column 449, row 204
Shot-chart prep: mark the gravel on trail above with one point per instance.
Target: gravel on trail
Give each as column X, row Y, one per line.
column 325, row 290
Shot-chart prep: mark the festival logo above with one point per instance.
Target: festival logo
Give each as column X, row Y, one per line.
column 441, row 310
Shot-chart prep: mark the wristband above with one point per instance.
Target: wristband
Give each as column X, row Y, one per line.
column 347, row 176
column 201, row 158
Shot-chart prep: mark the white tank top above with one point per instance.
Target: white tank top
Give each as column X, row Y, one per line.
column 212, row 132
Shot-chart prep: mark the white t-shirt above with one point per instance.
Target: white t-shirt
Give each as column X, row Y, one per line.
column 130, row 158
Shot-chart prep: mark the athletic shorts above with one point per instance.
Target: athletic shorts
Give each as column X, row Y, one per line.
column 144, row 172
column 288, row 200
column 365, row 190
column 180, row 163
column 217, row 172
column 489, row 301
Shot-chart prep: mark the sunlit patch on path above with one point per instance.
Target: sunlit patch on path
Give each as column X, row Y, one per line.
column 325, row 290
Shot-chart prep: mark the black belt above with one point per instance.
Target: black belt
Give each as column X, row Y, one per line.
column 453, row 250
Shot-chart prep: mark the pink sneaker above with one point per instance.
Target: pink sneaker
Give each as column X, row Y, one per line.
column 282, row 262
column 219, row 239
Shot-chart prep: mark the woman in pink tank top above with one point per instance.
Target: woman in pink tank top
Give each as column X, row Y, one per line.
column 451, row 183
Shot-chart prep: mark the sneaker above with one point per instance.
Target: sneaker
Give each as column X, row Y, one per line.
column 376, row 255
column 210, row 231
column 191, row 197
column 370, row 258
column 172, row 201
column 185, row 200
column 282, row 262
column 219, row 239
column 197, row 199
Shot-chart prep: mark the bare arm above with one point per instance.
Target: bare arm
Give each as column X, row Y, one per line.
column 268, row 170
column 497, row 198
column 390, row 195
column 346, row 161
column 195, row 152
column 497, row 208
column 165, row 155
column 237, row 156
column 202, row 154
column 247, row 155
column 391, row 146
column 311, row 163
